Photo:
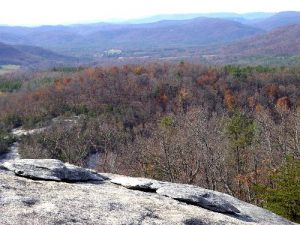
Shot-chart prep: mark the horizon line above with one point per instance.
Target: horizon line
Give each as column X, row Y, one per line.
column 138, row 20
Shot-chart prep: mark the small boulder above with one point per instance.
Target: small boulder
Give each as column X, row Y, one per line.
column 51, row 169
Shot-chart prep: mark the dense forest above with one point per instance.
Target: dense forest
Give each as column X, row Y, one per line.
column 235, row 129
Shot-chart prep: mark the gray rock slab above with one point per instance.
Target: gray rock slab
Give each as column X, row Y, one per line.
column 185, row 193
column 115, row 200
column 198, row 196
column 137, row 183
column 204, row 198
column 28, row 202
column 51, row 169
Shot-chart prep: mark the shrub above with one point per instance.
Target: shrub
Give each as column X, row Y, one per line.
column 166, row 121
column 283, row 197
column 12, row 120
column 9, row 85
column 238, row 72
column 72, row 141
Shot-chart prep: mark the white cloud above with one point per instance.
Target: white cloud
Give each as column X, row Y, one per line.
column 33, row 12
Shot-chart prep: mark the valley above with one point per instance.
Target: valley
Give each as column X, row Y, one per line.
column 196, row 37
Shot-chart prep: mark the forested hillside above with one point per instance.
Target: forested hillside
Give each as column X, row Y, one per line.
column 230, row 128
column 278, row 20
column 30, row 56
column 283, row 41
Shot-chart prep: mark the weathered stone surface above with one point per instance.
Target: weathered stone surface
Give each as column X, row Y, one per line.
column 144, row 184
column 133, row 201
column 185, row 193
column 211, row 200
column 198, row 196
column 18, row 132
column 51, row 169
column 25, row 201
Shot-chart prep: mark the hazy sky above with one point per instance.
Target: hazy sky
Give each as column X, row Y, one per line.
column 35, row 12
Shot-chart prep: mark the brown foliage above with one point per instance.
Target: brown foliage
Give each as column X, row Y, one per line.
column 164, row 121
column 284, row 103
column 272, row 91
column 229, row 99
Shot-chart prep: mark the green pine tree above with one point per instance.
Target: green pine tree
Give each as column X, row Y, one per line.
column 283, row 197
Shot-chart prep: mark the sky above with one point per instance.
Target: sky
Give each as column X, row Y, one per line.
column 52, row 12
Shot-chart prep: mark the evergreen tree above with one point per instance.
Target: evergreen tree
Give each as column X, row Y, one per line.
column 283, row 197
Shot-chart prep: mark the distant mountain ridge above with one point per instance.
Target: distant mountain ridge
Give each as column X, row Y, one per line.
column 282, row 41
column 92, row 38
column 224, row 15
column 228, row 33
column 279, row 20
column 29, row 55
column 195, row 32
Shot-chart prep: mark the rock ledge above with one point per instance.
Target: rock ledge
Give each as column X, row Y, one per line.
column 115, row 199
column 51, row 169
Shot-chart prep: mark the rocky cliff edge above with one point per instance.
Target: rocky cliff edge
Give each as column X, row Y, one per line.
column 48, row 191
